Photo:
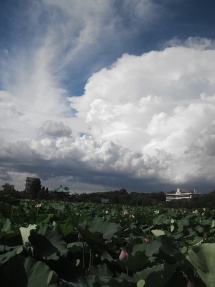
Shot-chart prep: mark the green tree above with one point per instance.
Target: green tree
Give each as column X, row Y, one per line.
column 8, row 188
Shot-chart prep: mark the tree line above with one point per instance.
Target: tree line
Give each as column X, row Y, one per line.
column 39, row 192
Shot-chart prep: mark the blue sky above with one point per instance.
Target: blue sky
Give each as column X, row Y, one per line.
column 102, row 95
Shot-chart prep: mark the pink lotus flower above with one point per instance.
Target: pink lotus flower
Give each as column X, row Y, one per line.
column 125, row 213
column 123, row 256
column 147, row 240
column 190, row 284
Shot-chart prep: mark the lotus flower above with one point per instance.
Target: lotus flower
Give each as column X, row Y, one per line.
column 38, row 205
column 123, row 256
column 190, row 284
column 80, row 237
column 125, row 213
column 147, row 240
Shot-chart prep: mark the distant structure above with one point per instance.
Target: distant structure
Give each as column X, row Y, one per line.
column 28, row 183
column 60, row 191
column 182, row 194
column 105, row 200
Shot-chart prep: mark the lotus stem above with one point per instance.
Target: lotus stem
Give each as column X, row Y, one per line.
column 90, row 260
column 83, row 256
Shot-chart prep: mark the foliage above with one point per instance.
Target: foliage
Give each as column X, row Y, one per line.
column 51, row 243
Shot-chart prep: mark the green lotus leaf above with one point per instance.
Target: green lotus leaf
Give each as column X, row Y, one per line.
column 162, row 219
column 202, row 258
column 75, row 246
column 167, row 245
column 11, row 252
column 66, row 228
column 149, row 248
column 106, row 256
column 141, row 283
column 136, row 262
column 100, row 271
column 157, row 276
column 101, row 276
column 47, row 242
column 52, row 277
column 7, row 226
column 49, row 218
column 158, row 232
column 25, row 232
column 21, row 272
column 37, row 272
column 101, row 225
column 180, row 227
column 8, row 231
column 113, row 282
column 199, row 228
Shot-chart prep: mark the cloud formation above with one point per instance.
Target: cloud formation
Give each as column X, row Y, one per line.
column 78, row 108
column 162, row 101
column 55, row 129
column 161, row 94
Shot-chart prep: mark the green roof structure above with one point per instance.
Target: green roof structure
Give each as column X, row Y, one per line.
column 60, row 189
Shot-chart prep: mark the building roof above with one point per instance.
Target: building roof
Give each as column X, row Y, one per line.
column 60, row 189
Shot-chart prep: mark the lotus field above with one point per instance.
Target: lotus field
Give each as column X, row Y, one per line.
column 64, row 244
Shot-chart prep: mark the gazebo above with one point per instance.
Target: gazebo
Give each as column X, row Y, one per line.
column 61, row 191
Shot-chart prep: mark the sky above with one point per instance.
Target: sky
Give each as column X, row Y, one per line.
column 102, row 95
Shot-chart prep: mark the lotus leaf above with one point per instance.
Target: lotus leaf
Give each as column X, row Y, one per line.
column 101, row 225
column 202, row 258
column 21, row 272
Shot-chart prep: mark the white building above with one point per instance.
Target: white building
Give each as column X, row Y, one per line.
column 105, row 200
column 181, row 194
